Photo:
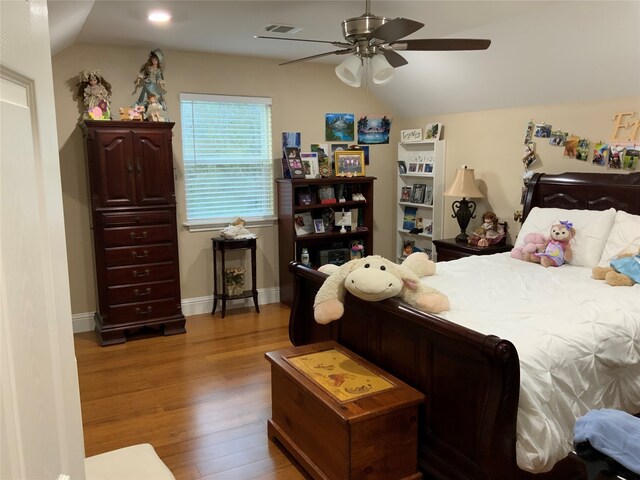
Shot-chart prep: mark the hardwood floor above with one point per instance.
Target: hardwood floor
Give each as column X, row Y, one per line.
column 201, row 399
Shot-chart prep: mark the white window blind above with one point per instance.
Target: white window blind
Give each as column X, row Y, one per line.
column 227, row 155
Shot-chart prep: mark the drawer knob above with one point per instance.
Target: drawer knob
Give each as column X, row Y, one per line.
column 135, row 254
column 137, row 274
column 138, row 237
column 138, row 293
column 140, row 311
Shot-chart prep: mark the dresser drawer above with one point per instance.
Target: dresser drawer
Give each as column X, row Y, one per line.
column 143, row 312
column 128, row 236
column 136, row 255
column 145, row 218
column 143, row 292
column 153, row 272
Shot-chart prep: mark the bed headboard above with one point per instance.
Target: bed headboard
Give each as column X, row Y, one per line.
column 584, row 191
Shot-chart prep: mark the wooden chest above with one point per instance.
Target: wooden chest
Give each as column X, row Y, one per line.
column 342, row 417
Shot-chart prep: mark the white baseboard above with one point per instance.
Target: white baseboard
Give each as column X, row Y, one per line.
column 83, row 322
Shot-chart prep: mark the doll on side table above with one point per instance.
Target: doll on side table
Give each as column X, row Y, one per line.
column 489, row 233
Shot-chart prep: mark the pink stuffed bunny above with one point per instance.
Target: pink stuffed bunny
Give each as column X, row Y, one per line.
column 533, row 243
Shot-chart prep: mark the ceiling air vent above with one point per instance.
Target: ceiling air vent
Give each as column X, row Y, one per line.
column 288, row 29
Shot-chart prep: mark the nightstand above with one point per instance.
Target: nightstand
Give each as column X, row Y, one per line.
column 449, row 249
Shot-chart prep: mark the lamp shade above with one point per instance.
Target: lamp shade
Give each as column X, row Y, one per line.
column 350, row 71
column 381, row 70
column 464, row 185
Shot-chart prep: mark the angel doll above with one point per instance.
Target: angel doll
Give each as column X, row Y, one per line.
column 96, row 94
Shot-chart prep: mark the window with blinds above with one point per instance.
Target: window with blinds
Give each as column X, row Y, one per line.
column 227, row 155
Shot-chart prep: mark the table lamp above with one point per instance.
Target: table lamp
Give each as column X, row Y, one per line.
column 463, row 185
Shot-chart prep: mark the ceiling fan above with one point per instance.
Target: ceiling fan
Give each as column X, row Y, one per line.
column 374, row 42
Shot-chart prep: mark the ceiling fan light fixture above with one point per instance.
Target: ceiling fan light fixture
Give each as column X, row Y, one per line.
column 381, row 70
column 350, row 71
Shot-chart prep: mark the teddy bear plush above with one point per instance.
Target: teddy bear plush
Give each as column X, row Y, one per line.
column 624, row 270
column 374, row 278
column 558, row 247
column 533, row 243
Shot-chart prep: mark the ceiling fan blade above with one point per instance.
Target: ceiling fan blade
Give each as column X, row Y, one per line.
column 394, row 30
column 335, row 52
column 442, row 44
column 335, row 44
column 395, row 59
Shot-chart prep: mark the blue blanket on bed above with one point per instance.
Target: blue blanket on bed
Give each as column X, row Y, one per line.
column 613, row 433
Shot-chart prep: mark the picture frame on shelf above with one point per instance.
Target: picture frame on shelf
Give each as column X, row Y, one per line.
column 413, row 167
column 433, row 131
column 428, row 195
column 405, row 194
column 310, row 164
column 407, row 248
column 326, row 194
column 303, row 223
column 411, row 136
column 417, row 193
column 402, row 167
column 294, row 161
column 342, row 219
column 409, row 219
column 306, row 197
column 349, row 163
column 318, row 225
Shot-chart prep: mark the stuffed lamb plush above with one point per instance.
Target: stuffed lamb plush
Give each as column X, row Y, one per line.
column 375, row 278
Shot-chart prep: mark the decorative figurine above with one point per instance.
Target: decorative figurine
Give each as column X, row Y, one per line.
column 96, row 93
column 152, row 79
column 154, row 110
column 489, row 233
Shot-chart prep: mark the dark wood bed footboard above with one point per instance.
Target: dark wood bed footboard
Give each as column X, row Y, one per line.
column 471, row 381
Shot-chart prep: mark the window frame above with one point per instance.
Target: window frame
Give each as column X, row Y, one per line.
column 218, row 223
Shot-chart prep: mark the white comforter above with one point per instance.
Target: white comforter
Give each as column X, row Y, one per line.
column 578, row 340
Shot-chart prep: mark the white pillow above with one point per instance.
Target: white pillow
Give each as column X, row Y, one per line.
column 624, row 237
column 592, row 230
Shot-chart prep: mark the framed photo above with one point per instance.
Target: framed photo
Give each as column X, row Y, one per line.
column 433, row 131
column 342, row 219
column 349, row 163
column 417, row 193
column 428, row 195
column 294, row 161
column 303, row 223
column 402, row 167
column 306, row 198
column 413, row 135
column 405, row 195
column 318, row 225
column 409, row 219
column 310, row 164
column 326, row 194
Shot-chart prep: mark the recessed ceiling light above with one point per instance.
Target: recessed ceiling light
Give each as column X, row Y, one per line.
column 159, row 16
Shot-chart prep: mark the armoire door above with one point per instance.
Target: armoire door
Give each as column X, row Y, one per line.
column 154, row 167
column 115, row 169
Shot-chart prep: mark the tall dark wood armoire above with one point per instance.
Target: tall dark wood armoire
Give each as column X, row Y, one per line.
column 133, row 208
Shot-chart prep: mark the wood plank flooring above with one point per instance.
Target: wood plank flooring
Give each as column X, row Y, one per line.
column 201, row 399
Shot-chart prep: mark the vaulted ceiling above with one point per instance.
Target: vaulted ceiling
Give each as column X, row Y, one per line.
column 542, row 52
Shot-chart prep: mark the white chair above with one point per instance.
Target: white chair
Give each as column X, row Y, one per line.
column 137, row 462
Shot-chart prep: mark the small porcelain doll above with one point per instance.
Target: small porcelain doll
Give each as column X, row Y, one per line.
column 95, row 92
column 155, row 112
column 489, row 233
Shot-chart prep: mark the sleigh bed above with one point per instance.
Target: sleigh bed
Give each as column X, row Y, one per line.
column 470, row 426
